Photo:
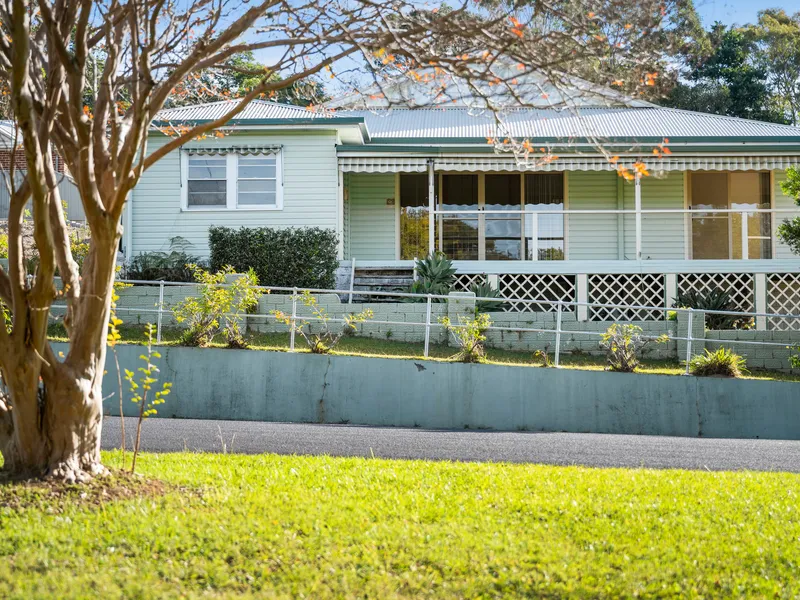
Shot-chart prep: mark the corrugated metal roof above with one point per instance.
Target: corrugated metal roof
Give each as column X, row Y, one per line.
column 256, row 110
column 644, row 122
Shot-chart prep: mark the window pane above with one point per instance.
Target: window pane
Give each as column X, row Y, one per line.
column 503, row 234
column 460, row 232
column 710, row 231
column 413, row 216
column 207, row 193
column 260, row 172
column 204, row 186
column 545, row 191
column 257, row 199
column 257, row 185
column 207, row 168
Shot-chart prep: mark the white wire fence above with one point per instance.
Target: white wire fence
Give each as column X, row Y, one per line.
column 296, row 319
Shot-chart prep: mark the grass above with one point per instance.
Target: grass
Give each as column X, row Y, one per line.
column 321, row 527
column 383, row 348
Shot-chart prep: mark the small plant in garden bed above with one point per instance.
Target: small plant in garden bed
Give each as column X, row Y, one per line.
column 543, row 358
column 218, row 308
column 484, row 290
column 174, row 265
column 722, row 362
column 623, row 344
column 326, row 336
column 470, row 334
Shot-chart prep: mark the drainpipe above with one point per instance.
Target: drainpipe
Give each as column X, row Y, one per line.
column 638, row 207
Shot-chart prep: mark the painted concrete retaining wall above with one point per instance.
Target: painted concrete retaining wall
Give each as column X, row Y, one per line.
column 276, row 386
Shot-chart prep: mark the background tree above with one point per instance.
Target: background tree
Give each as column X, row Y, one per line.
column 51, row 411
column 778, row 53
column 789, row 231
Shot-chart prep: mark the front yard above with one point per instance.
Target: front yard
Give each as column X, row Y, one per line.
column 231, row 525
column 386, row 348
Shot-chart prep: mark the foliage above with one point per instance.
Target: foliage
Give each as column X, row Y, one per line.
column 484, row 290
column 778, row 52
column 789, row 231
column 470, row 334
column 317, row 330
column 715, row 299
column 542, row 357
column 623, row 344
column 112, row 339
column 722, row 362
column 303, row 257
column 435, row 275
column 141, row 389
column 218, row 307
column 3, row 245
column 726, row 80
column 164, row 266
column 80, row 248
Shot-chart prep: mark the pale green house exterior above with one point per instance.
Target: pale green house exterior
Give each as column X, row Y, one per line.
column 349, row 171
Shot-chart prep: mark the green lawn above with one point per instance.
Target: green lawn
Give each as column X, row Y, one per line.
column 383, row 348
column 319, row 527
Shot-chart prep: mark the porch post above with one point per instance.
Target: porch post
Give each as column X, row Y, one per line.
column 431, row 206
column 638, row 208
column 340, row 214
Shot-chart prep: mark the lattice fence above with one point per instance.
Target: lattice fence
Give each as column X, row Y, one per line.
column 642, row 289
column 783, row 297
column 464, row 281
column 522, row 287
column 738, row 285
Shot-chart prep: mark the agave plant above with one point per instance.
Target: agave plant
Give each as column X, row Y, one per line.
column 435, row 275
column 712, row 300
column 484, row 290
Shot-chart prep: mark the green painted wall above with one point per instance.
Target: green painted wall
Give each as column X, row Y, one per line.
column 592, row 237
column 372, row 221
column 309, row 192
column 210, row 383
column 663, row 236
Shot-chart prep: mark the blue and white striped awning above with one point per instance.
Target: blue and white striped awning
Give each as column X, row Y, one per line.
column 391, row 164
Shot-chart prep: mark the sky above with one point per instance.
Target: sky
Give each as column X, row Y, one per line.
column 739, row 11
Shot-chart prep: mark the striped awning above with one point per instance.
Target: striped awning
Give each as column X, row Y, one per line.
column 382, row 164
column 389, row 164
column 242, row 150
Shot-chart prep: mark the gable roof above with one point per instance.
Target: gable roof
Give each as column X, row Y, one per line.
column 257, row 110
column 401, row 125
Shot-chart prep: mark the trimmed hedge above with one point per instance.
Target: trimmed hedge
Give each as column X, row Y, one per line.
column 303, row 257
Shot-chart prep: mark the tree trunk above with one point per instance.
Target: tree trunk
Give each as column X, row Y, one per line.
column 53, row 430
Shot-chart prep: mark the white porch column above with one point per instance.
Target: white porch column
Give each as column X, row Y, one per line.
column 638, row 208
column 340, row 215
column 670, row 289
column 582, row 284
column 431, row 207
column 761, row 303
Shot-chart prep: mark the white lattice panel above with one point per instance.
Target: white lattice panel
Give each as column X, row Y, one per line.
column 783, row 297
column 738, row 285
column 522, row 287
column 638, row 289
column 465, row 281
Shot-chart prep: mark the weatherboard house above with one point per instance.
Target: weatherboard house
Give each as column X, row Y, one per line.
column 397, row 183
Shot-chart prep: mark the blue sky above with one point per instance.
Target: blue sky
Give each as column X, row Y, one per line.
column 739, row 11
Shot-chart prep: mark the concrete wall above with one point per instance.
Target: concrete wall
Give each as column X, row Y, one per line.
column 277, row 386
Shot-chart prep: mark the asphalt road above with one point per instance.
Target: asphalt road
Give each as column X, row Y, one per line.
column 596, row 450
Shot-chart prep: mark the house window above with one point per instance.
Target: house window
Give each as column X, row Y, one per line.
column 207, row 182
column 727, row 235
column 501, row 230
column 232, row 181
column 545, row 191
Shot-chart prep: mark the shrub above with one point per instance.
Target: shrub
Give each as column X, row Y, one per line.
column 325, row 337
column 722, row 362
column 217, row 309
column 3, row 245
column 484, row 290
column 623, row 344
column 543, row 358
column 469, row 334
column 435, row 275
column 715, row 299
column 164, row 266
column 304, row 257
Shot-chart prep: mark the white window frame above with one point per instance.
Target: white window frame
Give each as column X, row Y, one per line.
column 232, row 176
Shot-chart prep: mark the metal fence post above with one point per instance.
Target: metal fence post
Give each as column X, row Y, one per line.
column 293, row 320
column 558, row 334
column 428, row 326
column 689, row 338
column 160, row 311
